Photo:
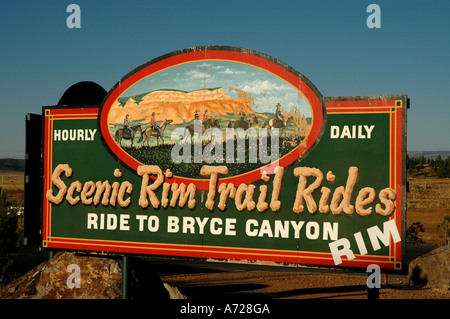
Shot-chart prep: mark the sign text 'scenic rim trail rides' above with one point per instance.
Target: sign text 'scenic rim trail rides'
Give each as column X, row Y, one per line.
column 227, row 153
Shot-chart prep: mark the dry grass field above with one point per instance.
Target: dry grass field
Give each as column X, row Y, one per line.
column 428, row 193
column 428, row 202
column 12, row 184
column 11, row 180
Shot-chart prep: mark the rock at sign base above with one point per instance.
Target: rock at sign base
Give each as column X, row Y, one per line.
column 431, row 269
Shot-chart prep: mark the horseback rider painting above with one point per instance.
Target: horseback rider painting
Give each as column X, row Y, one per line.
column 127, row 124
column 153, row 123
column 242, row 117
column 279, row 115
column 205, row 115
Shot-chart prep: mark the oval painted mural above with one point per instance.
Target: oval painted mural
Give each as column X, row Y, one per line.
column 216, row 106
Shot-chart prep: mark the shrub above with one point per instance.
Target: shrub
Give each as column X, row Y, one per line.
column 445, row 224
column 9, row 241
column 412, row 234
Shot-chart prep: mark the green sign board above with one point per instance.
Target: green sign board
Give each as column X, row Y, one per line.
column 227, row 153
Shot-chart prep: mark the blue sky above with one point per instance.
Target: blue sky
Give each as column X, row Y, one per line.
column 327, row 41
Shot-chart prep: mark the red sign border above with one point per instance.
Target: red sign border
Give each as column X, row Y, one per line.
column 240, row 55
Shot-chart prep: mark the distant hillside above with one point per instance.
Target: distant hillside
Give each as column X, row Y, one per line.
column 12, row 164
column 429, row 154
column 139, row 97
column 178, row 106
